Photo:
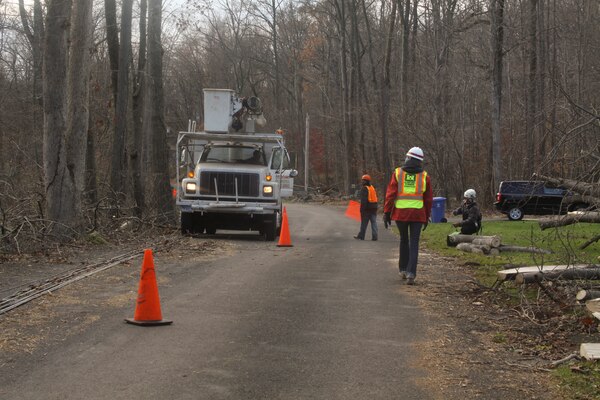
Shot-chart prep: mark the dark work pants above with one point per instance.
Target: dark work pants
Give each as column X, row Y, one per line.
column 364, row 222
column 468, row 229
column 410, row 233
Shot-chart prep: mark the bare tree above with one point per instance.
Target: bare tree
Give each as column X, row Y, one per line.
column 497, row 47
column 154, row 126
column 117, row 174
column 136, row 141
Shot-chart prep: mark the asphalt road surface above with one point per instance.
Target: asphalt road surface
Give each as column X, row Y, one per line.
column 325, row 319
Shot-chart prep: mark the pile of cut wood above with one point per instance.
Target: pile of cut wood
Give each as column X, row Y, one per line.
column 591, row 297
column 590, row 351
column 489, row 245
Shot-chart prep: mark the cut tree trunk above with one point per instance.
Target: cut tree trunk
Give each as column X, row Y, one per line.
column 522, row 249
column 591, row 217
column 453, row 240
column 587, row 294
column 510, row 271
column 590, row 351
column 593, row 305
column 572, row 273
column 492, row 241
column 474, row 248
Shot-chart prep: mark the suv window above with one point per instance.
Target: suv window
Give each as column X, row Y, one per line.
column 522, row 187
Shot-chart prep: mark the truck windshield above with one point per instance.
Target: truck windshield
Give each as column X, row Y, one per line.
column 233, row 154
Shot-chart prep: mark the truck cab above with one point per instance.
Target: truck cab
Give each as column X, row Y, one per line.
column 232, row 180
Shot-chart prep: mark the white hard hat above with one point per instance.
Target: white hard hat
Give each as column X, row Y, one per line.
column 416, row 152
column 470, row 194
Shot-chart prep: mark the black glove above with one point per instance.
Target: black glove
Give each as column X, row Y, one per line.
column 387, row 219
column 425, row 225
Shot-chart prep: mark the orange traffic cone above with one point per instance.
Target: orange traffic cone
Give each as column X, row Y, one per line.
column 147, row 308
column 353, row 210
column 284, row 236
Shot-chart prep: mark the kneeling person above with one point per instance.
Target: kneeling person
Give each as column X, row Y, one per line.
column 471, row 216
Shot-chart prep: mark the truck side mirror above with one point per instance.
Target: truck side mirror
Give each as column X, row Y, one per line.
column 293, row 173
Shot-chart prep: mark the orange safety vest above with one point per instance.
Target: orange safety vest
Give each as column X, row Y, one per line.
column 410, row 189
column 372, row 194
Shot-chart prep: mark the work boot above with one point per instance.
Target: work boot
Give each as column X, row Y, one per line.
column 358, row 238
column 402, row 274
column 410, row 281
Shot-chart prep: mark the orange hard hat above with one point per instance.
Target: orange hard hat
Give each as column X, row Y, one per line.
column 366, row 177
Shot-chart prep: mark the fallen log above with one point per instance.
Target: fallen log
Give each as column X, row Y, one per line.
column 473, row 248
column 492, row 241
column 553, row 222
column 587, row 294
column 576, row 186
column 510, row 270
column 591, row 272
column 455, row 239
column 523, row 249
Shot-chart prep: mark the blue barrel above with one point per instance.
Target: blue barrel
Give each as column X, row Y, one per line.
column 438, row 210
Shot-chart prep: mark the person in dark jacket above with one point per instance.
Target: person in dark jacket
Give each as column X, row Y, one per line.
column 471, row 216
column 408, row 201
column 368, row 209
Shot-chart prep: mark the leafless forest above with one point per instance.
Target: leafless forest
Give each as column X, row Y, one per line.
column 93, row 93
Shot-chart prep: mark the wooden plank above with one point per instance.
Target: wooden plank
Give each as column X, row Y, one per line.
column 590, row 351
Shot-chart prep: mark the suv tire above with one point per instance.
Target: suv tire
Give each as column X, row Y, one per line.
column 515, row 214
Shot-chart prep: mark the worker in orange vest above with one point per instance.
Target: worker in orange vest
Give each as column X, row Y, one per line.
column 368, row 209
column 408, row 201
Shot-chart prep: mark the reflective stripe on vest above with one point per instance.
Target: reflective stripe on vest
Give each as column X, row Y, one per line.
column 410, row 189
column 372, row 194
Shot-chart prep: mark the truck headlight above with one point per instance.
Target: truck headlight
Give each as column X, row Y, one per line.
column 268, row 190
column 190, row 187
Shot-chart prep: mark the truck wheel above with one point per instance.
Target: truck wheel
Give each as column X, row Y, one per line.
column 515, row 214
column 187, row 223
column 279, row 222
column 270, row 230
column 211, row 231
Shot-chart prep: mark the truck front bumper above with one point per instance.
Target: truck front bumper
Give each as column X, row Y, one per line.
column 228, row 207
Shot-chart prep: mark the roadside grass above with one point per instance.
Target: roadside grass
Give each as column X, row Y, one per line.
column 580, row 381
column 577, row 380
column 564, row 242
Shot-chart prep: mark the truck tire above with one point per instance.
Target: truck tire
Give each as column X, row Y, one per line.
column 279, row 222
column 270, row 229
column 211, row 231
column 187, row 223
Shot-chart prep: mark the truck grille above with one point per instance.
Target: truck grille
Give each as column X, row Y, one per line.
column 247, row 183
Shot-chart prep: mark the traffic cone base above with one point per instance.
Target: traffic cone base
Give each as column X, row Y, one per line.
column 148, row 323
column 284, row 236
column 147, row 307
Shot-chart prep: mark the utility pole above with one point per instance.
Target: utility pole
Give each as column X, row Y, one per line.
column 306, row 154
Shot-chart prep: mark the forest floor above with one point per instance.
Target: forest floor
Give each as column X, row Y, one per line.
column 481, row 344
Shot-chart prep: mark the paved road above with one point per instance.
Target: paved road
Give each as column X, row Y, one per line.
column 325, row 319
